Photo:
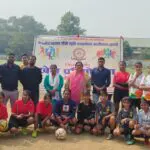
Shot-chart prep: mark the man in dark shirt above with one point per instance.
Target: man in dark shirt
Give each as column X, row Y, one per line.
column 9, row 77
column 31, row 78
column 100, row 79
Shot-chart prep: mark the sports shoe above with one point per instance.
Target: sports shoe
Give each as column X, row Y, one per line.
column 24, row 131
column 34, row 134
column 110, row 136
column 130, row 142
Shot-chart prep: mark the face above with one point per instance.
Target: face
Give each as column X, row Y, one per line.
column 25, row 59
column 144, row 106
column 101, row 63
column 126, row 104
column 103, row 98
column 47, row 100
column 66, row 95
column 53, row 69
column 25, row 96
column 79, row 67
column 138, row 68
column 32, row 61
column 11, row 59
column 122, row 66
column 1, row 98
column 86, row 98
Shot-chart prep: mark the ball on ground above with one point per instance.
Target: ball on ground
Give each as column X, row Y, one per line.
column 60, row 134
column 3, row 125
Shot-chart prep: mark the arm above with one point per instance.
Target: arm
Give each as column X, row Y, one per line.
column 67, row 82
column 46, row 83
column 93, row 112
column 108, row 81
column 40, row 76
column 57, row 110
column 73, row 111
column 61, row 83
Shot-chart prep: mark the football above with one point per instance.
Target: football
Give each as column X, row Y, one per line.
column 3, row 125
column 60, row 134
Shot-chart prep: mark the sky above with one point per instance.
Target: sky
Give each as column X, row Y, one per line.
column 127, row 18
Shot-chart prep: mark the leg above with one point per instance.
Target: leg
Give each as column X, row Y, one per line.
column 30, row 120
column 6, row 93
column 112, row 123
column 117, row 131
column 35, row 97
column 13, row 125
column 13, row 97
column 78, row 128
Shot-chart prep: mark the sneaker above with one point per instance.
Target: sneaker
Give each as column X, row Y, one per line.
column 130, row 142
column 110, row 136
column 24, row 131
column 34, row 134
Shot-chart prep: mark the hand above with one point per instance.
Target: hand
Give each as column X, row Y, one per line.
column 123, row 121
column 136, row 126
column 20, row 116
column 85, row 121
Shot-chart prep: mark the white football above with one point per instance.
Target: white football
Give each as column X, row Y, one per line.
column 60, row 134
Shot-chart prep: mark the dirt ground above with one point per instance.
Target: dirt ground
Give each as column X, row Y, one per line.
column 47, row 141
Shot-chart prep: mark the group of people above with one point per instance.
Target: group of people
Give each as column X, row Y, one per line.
column 76, row 110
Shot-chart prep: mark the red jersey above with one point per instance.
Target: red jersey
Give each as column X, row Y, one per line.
column 21, row 108
column 3, row 112
column 44, row 110
column 121, row 77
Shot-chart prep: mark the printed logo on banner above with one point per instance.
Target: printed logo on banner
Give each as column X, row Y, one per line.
column 50, row 51
column 107, row 53
column 79, row 54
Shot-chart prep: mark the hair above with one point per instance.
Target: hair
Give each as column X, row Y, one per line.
column 11, row 54
column 28, row 92
column 126, row 99
column 24, row 55
column 145, row 101
column 47, row 95
column 138, row 63
column 79, row 62
column 32, row 56
column 101, row 58
column 123, row 63
column 103, row 93
column 2, row 94
column 66, row 90
column 53, row 65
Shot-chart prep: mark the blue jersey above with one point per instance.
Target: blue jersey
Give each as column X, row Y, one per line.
column 67, row 109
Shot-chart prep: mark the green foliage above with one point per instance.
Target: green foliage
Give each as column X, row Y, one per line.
column 145, row 53
column 17, row 34
column 70, row 25
column 127, row 50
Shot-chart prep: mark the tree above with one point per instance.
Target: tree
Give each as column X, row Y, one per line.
column 70, row 25
column 17, row 34
column 53, row 32
column 127, row 50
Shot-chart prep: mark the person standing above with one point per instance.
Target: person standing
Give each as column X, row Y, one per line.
column 53, row 84
column 135, row 81
column 31, row 78
column 9, row 77
column 100, row 79
column 78, row 82
column 24, row 59
column 120, row 83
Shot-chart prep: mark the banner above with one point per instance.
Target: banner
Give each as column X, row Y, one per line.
column 65, row 51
